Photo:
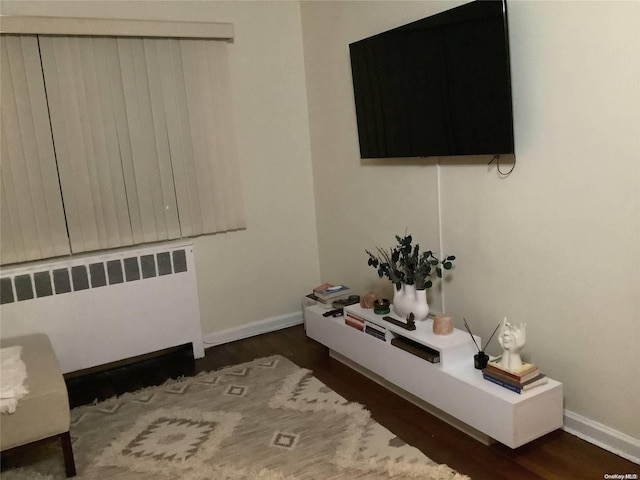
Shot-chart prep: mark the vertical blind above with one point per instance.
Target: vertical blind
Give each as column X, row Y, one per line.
column 31, row 212
column 143, row 138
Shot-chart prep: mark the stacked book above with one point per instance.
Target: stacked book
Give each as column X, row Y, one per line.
column 376, row 331
column 525, row 378
column 327, row 293
column 354, row 320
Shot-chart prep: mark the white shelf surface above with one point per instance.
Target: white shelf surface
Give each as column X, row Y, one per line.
column 453, row 386
column 452, row 347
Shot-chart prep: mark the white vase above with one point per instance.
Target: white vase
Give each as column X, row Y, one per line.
column 409, row 300
column 420, row 307
column 399, row 301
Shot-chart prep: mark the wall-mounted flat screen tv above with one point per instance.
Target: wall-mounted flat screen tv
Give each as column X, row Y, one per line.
column 440, row 86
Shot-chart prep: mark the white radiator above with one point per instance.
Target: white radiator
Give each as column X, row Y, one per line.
column 103, row 308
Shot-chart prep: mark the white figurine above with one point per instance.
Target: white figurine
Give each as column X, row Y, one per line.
column 512, row 339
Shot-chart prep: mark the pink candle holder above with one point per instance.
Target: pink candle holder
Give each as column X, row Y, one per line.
column 442, row 325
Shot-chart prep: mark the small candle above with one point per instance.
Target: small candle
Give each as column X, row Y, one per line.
column 442, row 325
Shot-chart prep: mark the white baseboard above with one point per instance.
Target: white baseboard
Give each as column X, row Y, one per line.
column 254, row 328
column 605, row 437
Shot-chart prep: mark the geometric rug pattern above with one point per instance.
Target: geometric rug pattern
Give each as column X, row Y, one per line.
column 265, row 419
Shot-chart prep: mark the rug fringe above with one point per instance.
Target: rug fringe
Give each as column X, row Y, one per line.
column 229, row 473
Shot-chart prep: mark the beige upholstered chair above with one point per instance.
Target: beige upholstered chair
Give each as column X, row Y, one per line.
column 43, row 413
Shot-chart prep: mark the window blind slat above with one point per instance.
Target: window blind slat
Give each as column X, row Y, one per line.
column 208, row 100
column 197, row 99
column 140, row 181
column 147, row 166
column 78, row 177
column 232, row 201
column 16, row 135
column 225, row 184
column 117, row 78
column 96, row 129
column 13, row 247
column 52, row 229
column 147, row 151
column 7, row 236
column 33, row 218
column 120, row 233
column 65, row 94
column 161, row 136
column 179, row 133
column 94, row 159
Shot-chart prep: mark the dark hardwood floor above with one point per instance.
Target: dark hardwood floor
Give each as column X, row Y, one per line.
column 558, row 455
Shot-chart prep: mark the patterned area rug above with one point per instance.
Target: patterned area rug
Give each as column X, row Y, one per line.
column 265, row 419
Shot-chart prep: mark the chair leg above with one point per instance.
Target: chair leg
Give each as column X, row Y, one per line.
column 67, row 450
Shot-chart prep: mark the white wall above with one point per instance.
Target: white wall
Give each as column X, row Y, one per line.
column 556, row 244
column 263, row 271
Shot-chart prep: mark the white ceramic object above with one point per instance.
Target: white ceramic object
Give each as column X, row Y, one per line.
column 409, row 300
column 512, row 339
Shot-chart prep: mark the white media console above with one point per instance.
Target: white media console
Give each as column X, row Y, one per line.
column 452, row 389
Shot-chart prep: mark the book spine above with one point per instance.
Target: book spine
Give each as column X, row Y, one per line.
column 526, row 369
column 354, row 316
column 331, row 298
column 354, row 323
column 378, row 328
column 332, row 293
column 503, row 378
column 497, row 371
column 536, row 383
column 504, row 374
column 376, row 331
column 324, row 303
column 502, row 383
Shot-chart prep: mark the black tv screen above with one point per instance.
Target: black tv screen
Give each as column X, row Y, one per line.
column 439, row 86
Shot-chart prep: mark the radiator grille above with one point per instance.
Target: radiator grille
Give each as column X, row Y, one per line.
column 57, row 281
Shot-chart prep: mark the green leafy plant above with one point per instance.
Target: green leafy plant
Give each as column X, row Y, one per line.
column 386, row 262
column 404, row 263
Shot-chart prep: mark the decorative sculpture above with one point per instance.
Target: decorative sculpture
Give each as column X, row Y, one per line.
column 512, row 339
column 411, row 321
